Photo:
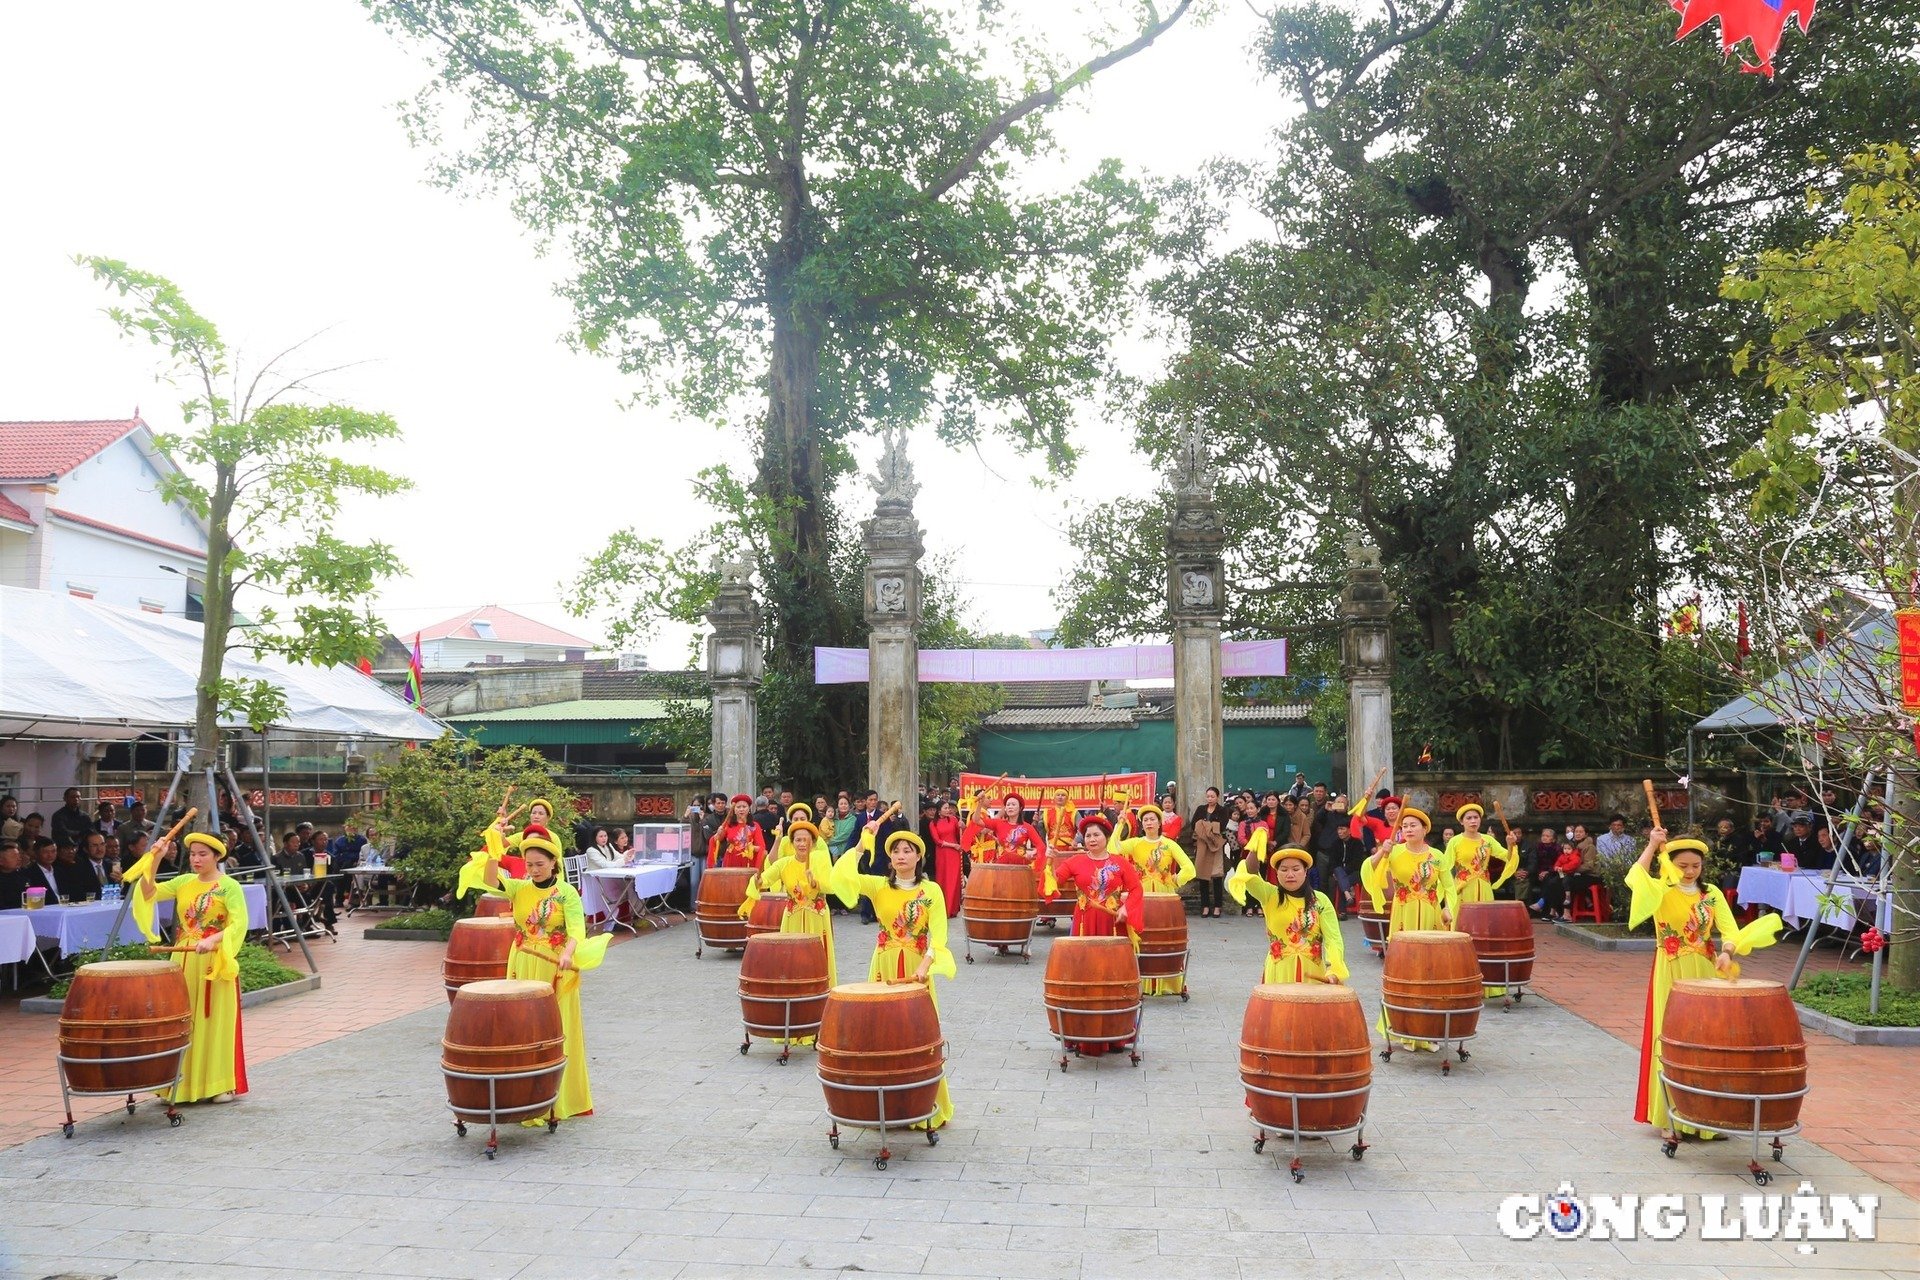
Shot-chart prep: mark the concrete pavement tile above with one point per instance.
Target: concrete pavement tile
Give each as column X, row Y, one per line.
column 1379, row 1245
column 490, row 1263
column 826, row 1255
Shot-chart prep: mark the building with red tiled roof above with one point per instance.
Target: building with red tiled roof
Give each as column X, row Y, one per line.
column 490, row 634
column 81, row 512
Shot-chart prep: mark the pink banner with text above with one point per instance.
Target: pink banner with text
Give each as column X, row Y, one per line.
column 1016, row 666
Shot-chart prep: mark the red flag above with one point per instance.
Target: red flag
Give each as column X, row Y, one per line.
column 1761, row 22
column 1742, row 647
column 366, row 666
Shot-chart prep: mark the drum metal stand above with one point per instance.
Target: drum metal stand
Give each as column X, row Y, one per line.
column 880, row 1092
column 1359, row 1131
column 700, row 940
column 1024, row 946
column 1186, row 993
column 68, row 1093
column 491, row 1114
column 787, row 1029
column 1069, row 1044
column 1513, row 991
column 1373, row 931
column 1447, row 1037
column 1761, row 1175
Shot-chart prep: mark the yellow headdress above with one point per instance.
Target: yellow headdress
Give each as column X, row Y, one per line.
column 1670, row 874
column 911, row 838
column 214, row 843
column 1471, row 806
column 1410, row 812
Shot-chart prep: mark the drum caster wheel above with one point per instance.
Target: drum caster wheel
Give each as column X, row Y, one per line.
column 933, row 1138
column 781, row 1061
column 1761, row 1177
column 1135, row 1058
column 1299, row 1174
column 1259, row 1145
column 129, row 1106
column 1185, row 996
column 1386, row 1055
column 552, row 1125
column 1464, row 1055
column 460, row 1127
column 1063, row 1063
column 1358, row 1151
column 880, row 1161
column 1518, row 996
column 173, row 1120
column 1779, row 1152
column 1446, row 1068
column 743, row 1048
column 833, row 1140
column 492, row 1153
column 1668, row 1147
column 66, row 1130
column 969, row 957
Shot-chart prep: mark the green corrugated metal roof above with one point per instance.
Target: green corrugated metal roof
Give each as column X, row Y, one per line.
column 580, row 722
column 577, row 709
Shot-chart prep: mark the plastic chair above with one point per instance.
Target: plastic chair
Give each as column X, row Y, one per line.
column 571, row 866
column 1596, row 909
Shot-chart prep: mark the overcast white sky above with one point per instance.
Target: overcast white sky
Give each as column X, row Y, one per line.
column 252, row 153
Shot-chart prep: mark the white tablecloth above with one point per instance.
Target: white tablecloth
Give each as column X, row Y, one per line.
column 84, row 927
column 1795, row 894
column 601, row 890
column 16, row 938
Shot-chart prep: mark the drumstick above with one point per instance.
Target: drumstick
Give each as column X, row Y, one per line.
column 503, row 799
column 1375, row 784
column 178, row 826
column 1653, row 805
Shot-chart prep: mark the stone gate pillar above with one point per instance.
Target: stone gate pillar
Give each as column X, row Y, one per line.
column 893, row 639
column 734, row 662
column 1196, row 598
column 1366, row 664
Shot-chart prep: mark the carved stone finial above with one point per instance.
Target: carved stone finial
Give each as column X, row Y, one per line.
column 894, row 480
column 1361, row 555
column 1192, row 472
column 732, row 572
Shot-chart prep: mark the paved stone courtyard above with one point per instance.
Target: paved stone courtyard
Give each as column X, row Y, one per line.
column 704, row 1163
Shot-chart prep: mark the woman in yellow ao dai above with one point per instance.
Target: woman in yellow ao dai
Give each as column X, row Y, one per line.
column 1303, row 933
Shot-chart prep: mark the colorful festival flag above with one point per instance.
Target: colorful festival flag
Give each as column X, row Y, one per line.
column 1761, row 22
column 414, row 676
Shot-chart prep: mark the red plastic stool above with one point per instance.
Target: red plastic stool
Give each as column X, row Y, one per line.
column 1597, row 909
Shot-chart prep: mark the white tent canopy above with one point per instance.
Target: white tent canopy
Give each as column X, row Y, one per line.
column 70, row 668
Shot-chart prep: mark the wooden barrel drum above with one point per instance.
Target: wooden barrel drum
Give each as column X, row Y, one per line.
column 124, row 1009
column 716, row 913
column 1740, row 1037
column 1433, row 977
column 1163, row 936
column 1098, row 979
column 1502, row 934
column 499, row 1028
column 492, row 904
column 1373, row 924
column 477, row 950
column 783, row 985
column 878, row 1036
column 1305, row 1038
column 766, row 913
column 1001, row 903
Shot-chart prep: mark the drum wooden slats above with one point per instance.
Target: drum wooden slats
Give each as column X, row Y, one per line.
column 491, row 905
column 125, row 1009
column 497, row 1028
column 716, row 914
column 1430, row 973
column 875, row 1035
column 1305, row 1038
column 781, row 967
column 1001, row 902
column 1099, row 976
column 1739, row 1037
column 1163, row 936
column 1502, row 934
column 477, row 951
column 766, row 913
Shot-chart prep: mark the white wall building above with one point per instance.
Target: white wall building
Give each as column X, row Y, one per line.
column 81, row 513
column 490, row 635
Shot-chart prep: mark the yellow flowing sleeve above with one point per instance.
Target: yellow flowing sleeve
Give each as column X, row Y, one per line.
column 1509, row 857
column 139, row 903
column 1376, row 878
column 768, row 880
column 1647, row 893
column 1745, row 939
column 1333, row 948
column 1243, row 882
column 1256, row 846
column 845, row 881
column 819, row 866
column 474, row 874
column 226, row 958
column 1359, row 807
column 942, row 966
column 588, row 953
column 1182, row 861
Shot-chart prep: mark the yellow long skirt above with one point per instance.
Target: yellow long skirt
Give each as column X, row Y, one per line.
column 1666, row 970
column 891, row 964
column 576, row 1098
column 1411, row 912
column 214, row 1062
column 1474, row 889
column 818, row 923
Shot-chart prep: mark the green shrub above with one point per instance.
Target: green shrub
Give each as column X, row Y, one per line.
column 433, row 920
column 1846, row 995
column 258, row 968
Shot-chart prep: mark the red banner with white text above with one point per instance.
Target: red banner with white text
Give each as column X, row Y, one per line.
column 1125, row 789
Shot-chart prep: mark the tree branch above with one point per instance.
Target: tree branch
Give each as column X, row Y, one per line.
column 1046, row 97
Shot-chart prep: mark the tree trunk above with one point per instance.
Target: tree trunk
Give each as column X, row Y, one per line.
column 1903, row 951
column 218, row 623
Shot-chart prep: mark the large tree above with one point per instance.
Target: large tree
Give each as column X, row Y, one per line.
column 259, row 464
column 808, row 215
column 1484, row 333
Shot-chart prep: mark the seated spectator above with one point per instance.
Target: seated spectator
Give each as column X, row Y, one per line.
column 1824, row 852
column 32, row 829
column 600, row 855
column 88, row 873
column 622, row 846
column 291, row 859
column 132, row 849
column 70, row 821
column 40, row 871
column 1799, row 839
column 1615, row 842
column 66, row 865
column 12, row 877
column 10, row 820
column 136, row 820
column 106, row 819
